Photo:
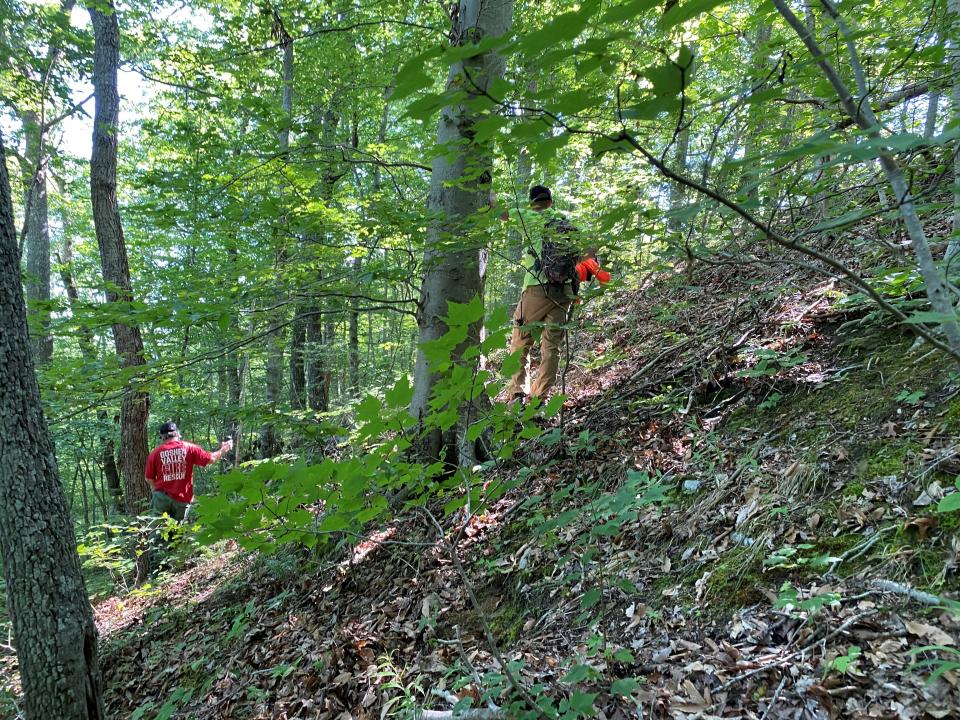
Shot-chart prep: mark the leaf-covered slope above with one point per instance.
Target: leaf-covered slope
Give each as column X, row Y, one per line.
column 738, row 522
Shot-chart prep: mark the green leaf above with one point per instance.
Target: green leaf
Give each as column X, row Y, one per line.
column 667, row 79
column 545, row 150
column 400, row 394
column 688, row 10
column 928, row 316
column 413, row 76
column 553, row 405
column 950, row 503
column 577, row 100
column 624, row 686
column 368, row 411
column 334, row 522
column 590, row 598
column 464, row 314
column 563, row 28
column 582, row 703
column 476, row 430
column 579, row 673
column 628, row 10
column 510, row 365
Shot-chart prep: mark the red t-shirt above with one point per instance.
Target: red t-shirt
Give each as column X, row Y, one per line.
column 170, row 466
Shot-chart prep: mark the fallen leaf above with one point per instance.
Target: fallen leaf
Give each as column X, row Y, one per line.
column 930, row 632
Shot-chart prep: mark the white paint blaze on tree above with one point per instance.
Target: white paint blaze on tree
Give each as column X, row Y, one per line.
column 52, row 621
column 453, row 263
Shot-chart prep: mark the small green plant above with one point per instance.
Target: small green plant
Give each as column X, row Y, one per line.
column 771, row 362
column 843, row 663
column 939, row 665
column 404, row 694
column 791, row 557
column 789, row 599
column 770, row 402
column 910, row 398
column 951, row 502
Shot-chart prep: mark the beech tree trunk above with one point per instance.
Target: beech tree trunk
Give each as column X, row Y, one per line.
column 53, row 625
column 37, row 235
column 270, row 444
column 354, row 336
column 298, row 377
column 317, row 396
column 517, row 247
column 135, row 408
column 451, row 261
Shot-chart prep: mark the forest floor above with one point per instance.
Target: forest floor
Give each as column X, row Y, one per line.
column 789, row 446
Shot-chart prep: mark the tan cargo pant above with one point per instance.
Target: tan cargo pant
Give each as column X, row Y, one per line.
column 547, row 305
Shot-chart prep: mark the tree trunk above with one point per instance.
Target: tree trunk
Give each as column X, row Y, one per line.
column 317, row 392
column 930, row 122
column 37, row 226
column 354, row 336
column 682, row 149
column 298, row 378
column 270, row 444
column 517, row 248
column 53, row 625
column 135, row 408
column 757, row 112
column 457, row 191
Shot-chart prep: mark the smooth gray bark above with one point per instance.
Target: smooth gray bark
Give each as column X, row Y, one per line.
column 37, row 235
column 459, row 186
column 135, row 407
column 270, row 441
column 354, row 335
column 53, row 626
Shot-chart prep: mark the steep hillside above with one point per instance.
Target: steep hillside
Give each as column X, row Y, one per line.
column 740, row 520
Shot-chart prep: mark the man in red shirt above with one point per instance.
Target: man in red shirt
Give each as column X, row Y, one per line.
column 170, row 471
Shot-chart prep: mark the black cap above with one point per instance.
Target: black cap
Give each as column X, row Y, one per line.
column 168, row 428
column 540, row 193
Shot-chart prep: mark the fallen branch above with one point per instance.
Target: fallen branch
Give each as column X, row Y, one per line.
column 773, row 700
column 920, row 596
column 488, row 633
column 470, row 714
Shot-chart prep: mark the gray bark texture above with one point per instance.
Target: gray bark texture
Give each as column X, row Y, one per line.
column 37, row 235
column 298, row 377
column 53, row 626
column 517, row 244
column 270, row 440
column 135, row 408
column 459, row 187
column 318, row 397
column 354, row 335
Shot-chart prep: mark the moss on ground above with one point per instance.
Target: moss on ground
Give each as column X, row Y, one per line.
column 887, row 456
column 736, row 579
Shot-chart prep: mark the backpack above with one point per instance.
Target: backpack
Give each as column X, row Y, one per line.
column 557, row 264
